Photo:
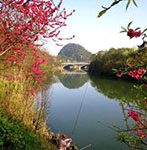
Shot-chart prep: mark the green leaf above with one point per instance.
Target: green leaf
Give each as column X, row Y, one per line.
column 144, row 30
column 137, row 29
column 124, row 29
column 114, row 70
column 129, row 24
column 101, row 13
column 144, row 36
column 135, row 3
column 129, row 1
column 107, row 8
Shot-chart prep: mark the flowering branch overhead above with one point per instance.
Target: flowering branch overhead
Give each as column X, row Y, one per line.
column 26, row 20
column 23, row 22
column 134, row 32
column 105, row 9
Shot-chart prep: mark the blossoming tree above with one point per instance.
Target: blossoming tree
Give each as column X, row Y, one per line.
column 23, row 22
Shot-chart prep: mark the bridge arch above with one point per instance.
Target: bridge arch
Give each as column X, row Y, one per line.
column 79, row 66
column 68, row 67
column 85, row 67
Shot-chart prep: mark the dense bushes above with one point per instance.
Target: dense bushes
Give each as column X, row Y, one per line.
column 17, row 89
column 14, row 135
column 22, row 125
column 105, row 61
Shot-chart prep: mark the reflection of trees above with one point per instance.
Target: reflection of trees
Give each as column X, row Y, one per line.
column 132, row 103
column 117, row 89
column 73, row 81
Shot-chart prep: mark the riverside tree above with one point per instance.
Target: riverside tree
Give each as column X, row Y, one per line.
column 134, row 136
column 23, row 22
column 23, row 65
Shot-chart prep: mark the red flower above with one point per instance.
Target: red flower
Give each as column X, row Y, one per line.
column 141, row 71
column 119, row 74
column 132, row 33
column 134, row 115
column 12, row 58
column 19, row 1
column 141, row 134
column 137, row 74
column 137, row 34
column 37, row 71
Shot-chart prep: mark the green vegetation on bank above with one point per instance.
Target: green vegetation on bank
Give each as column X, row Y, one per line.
column 15, row 135
column 22, row 124
column 104, row 62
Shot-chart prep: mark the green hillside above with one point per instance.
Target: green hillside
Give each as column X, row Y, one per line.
column 74, row 52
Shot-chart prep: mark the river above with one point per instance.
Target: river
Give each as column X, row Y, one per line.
column 88, row 110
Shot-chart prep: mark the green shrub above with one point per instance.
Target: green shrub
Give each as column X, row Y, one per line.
column 14, row 135
column 105, row 61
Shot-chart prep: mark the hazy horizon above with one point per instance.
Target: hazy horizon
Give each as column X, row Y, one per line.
column 100, row 33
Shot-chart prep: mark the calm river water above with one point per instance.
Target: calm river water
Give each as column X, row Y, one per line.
column 88, row 109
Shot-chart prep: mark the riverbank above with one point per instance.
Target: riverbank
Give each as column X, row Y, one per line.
column 22, row 123
column 113, row 61
column 15, row 135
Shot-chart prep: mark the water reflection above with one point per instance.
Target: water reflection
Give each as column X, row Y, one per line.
column 73, row 81
column 120, row 90
column 86, row 109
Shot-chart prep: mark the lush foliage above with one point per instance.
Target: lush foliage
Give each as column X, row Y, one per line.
column 14, row 135
column 105, row 61
column 17, row 98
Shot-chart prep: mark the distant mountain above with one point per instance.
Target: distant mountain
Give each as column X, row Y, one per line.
column 74, row 52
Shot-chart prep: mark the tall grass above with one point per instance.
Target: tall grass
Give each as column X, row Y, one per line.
column 17, row 101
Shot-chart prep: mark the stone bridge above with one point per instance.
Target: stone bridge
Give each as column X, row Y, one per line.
column 75, row 66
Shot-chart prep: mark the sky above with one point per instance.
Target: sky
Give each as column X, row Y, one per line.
column 103, row 33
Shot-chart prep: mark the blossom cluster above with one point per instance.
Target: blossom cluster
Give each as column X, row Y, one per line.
column 137, row 74
column 119, row 74
column 23, row 22
column 141, row 123
column 133, row 33
column 134, row 115
column 36, row 70
column 134, row 73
